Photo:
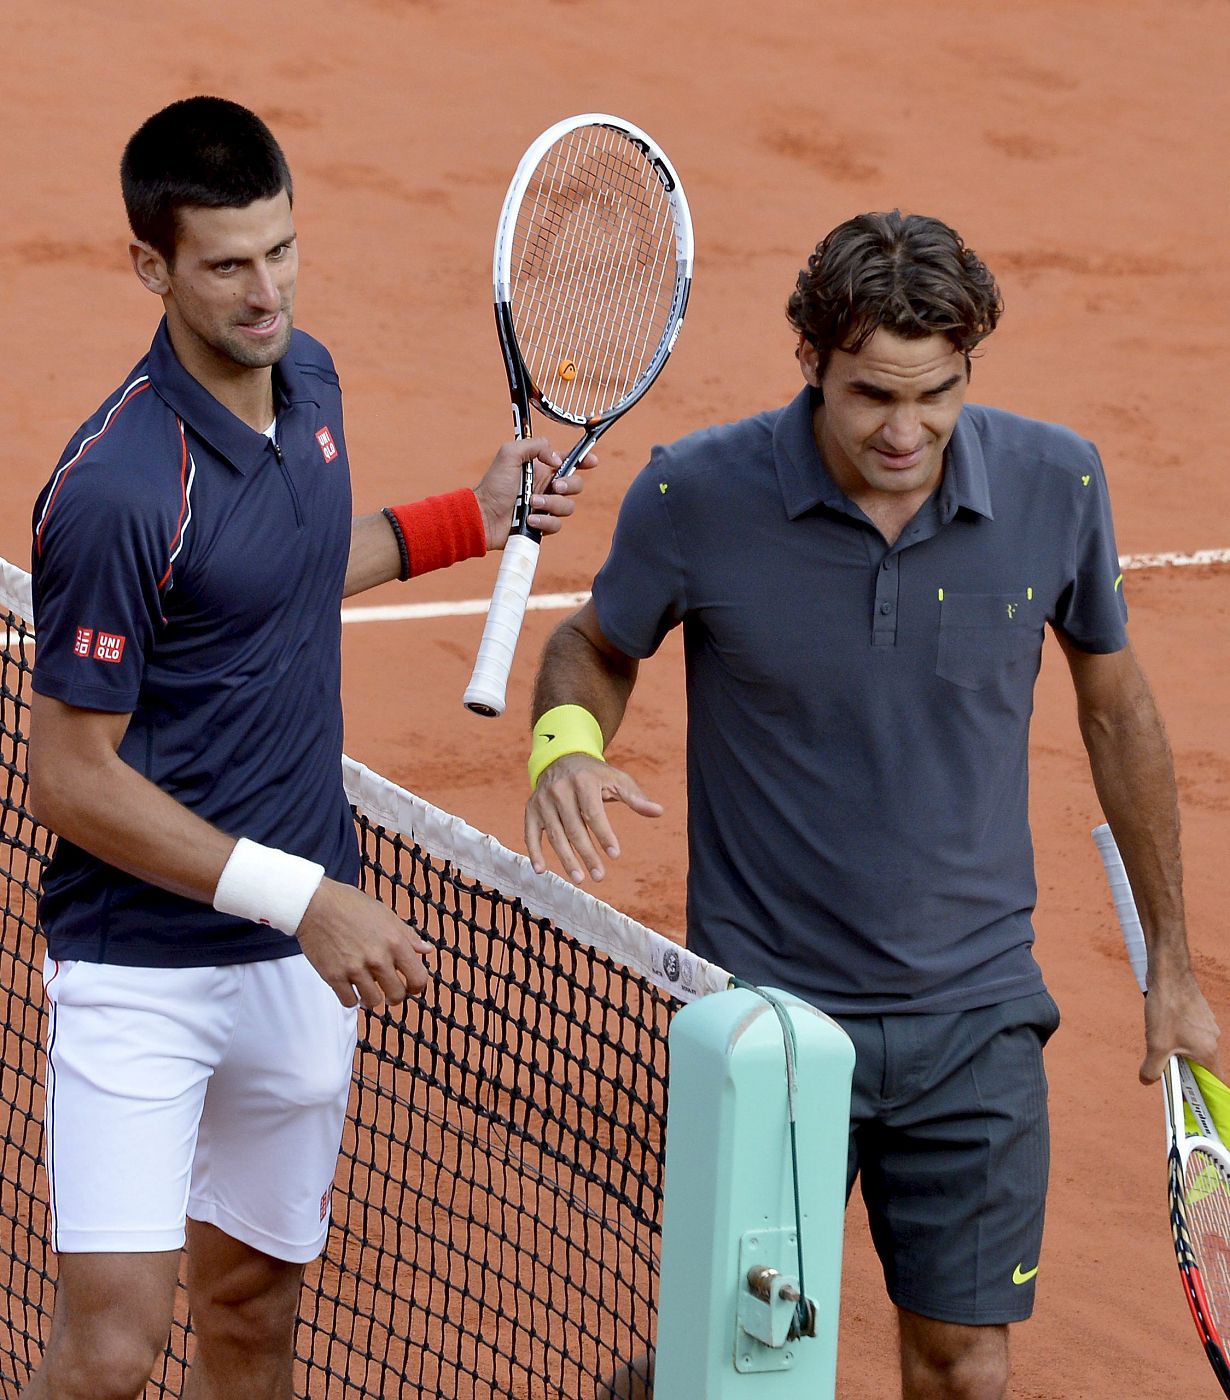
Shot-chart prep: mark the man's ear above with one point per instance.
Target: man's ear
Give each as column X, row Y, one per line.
column 809, row 361
column 151, row 267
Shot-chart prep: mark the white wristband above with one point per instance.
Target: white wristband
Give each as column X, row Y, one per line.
column 267, row 886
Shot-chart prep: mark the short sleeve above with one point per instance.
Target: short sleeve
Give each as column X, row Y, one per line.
column 640, row 591
column 1091, row 610
column 95, row 570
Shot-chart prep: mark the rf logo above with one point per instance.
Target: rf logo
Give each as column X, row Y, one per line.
column 1012, row 609
column 328, row 448
column 83, row 641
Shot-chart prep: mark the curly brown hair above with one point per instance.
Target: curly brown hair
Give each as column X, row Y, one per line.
column 906, row 272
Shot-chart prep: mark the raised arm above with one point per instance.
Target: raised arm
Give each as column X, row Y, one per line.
column 85, row 792
column 1133, row 773
column 405, row 541
column 584, row 682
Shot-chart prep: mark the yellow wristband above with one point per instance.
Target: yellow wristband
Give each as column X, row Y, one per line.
column 565, row 729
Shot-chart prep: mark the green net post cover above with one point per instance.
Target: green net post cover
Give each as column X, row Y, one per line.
column 730, row 1261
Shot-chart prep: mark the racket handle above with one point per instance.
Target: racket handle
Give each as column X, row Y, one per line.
column 485, row 693
column 1125, row 904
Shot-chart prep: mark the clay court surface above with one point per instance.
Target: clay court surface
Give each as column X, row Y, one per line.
column 1079, row 147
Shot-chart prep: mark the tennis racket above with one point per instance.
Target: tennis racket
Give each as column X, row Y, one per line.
column 592, row 270
column 1199, row 1164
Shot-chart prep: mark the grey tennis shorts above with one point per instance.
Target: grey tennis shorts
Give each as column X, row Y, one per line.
column 950, row 1142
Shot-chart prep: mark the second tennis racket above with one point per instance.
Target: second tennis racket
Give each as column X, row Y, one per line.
column 1198, row 1164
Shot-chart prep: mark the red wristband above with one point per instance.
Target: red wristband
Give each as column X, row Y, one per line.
column 437, row 532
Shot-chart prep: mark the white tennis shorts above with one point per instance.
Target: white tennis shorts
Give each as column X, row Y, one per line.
column 213, row 1093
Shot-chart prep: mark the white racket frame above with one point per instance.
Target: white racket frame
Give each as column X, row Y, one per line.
column 486, row 693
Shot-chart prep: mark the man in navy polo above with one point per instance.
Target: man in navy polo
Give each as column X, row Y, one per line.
column 863, row 579
column 206, row 942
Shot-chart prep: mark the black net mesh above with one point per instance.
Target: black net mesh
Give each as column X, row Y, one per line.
column 498, row 1195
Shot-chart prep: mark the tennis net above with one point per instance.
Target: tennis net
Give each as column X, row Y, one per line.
column 497, row 1204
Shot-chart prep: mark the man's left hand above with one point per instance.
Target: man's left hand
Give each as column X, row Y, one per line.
column 553, row 500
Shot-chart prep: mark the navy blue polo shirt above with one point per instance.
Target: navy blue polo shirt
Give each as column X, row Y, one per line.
column 189, row 573
column 858, row 715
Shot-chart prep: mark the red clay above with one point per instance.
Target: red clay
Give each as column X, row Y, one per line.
column 1079, row 148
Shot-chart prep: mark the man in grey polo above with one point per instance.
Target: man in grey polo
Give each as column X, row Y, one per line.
column 863, row 578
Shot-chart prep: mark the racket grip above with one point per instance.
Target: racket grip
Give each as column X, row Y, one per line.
column 485, row 693
column 1125, row 903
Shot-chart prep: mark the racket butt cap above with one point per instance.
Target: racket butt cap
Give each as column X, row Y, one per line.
column 482, row 707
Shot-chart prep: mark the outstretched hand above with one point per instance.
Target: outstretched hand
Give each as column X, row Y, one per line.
column 567, row 806
column 553, row 501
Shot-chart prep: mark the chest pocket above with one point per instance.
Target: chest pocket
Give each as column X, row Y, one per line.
column 983, row 633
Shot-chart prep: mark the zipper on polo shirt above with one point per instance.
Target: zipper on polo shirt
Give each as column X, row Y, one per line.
column 290, row 485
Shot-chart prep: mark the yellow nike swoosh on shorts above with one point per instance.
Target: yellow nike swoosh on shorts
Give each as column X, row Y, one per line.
column 1020, row 1275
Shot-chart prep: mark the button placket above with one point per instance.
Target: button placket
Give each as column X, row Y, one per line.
column 887, row 598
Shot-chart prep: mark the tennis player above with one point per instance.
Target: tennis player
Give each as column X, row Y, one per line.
column 207, row 946
column 864, row 578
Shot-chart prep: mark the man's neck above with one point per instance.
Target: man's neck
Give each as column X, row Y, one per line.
column 891, row 514
column 246, row 392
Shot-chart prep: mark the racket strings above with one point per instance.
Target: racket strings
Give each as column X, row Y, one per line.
column 614, row 179
column 593, row 264
column 653, row 251
column 589, row 254
column 1206, row 1189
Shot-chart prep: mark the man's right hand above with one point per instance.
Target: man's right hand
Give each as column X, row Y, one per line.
column 361, row 948
column 1178, row 1021
column 567, row 806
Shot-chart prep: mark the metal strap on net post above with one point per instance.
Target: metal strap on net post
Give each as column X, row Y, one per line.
column 804, row 1324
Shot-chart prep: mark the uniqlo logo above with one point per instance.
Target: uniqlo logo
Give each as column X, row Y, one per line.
column 84, row 640
column 328, row 447
column 324, row 1204
column 109, row 647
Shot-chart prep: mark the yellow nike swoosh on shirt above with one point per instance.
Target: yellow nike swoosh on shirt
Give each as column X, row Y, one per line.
column 1020, row 1275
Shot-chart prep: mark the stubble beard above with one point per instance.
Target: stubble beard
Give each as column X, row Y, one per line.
column 251, row 356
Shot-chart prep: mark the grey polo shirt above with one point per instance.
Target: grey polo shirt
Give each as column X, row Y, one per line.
column 858, row 716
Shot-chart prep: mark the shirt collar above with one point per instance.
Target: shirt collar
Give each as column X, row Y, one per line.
column 805, row 481
column 965, row 485
column 801, row 473
column 231, row 438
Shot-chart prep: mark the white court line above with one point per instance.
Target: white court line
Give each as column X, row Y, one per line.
column 559, row 602
column 1174, row 561
column 466, row 607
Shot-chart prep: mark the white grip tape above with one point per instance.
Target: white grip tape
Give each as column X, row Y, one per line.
column 1125, row 904
column 485, row 693
column 267, row 886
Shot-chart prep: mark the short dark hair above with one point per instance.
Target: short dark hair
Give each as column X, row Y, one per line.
column 202, row 151
column 908, row 273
